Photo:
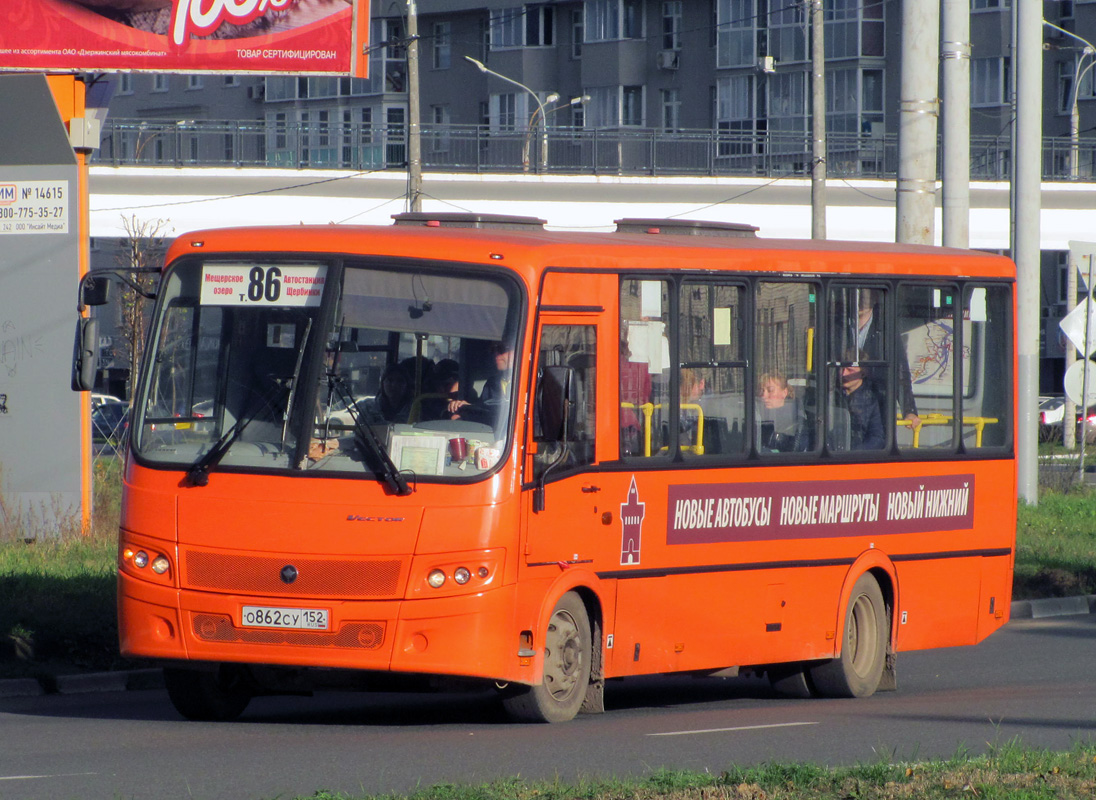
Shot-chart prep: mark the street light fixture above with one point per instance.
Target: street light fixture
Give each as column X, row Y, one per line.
column 1079, row 70
column 532, row 119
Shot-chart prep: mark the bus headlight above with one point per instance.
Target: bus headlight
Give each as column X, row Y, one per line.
column 160, row 565
column 436, row 578
column 461, row 575
column 140, row 559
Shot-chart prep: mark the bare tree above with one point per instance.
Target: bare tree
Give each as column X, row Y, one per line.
column 143, row 247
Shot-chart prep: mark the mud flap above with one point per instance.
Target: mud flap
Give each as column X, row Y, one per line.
column 889, row 680
column 594, row 702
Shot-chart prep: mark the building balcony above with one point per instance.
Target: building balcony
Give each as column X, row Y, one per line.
column 570, row 151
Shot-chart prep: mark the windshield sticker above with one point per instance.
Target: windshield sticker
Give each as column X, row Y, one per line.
column 254, row 285
column 631, row 523
column 738, row 512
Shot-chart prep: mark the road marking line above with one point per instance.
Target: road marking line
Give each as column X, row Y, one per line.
column 41, row 777
column 728, row 730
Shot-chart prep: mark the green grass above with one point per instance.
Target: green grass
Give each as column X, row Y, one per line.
column 1010, row 772
column 1056, row 545
column 57, row 592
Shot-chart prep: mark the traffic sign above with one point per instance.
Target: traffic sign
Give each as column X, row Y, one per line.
column 1075, row 383
column 1074, row 326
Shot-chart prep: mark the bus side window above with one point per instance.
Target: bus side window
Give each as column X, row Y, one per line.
column 926, row 364
column 643, row 367
column 985, row 373
column 785, row 382
column 712, row 374
column 573, row 347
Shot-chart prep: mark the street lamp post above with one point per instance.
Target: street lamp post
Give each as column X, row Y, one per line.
column 532, row 119
column 1079, row 70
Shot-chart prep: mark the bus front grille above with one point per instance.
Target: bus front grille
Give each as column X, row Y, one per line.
column 219, row 628
column 312, row 577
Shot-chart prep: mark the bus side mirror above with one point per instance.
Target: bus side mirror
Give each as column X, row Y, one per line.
column 85, row 355
column 94, row 291
column 554, row 403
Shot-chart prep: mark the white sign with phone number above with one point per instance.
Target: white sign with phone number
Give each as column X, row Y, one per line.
column 258, row 285
column 28, row 207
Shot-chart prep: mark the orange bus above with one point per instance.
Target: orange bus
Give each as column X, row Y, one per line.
column 465, row 447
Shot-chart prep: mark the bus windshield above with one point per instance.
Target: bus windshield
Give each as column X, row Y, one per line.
column 350, row 368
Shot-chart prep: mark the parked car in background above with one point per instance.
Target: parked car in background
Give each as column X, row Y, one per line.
column 97, row 399
column 1051, row 412
column 109, row 422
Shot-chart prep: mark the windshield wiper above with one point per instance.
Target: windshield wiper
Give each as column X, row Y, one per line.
column 389, row 471
column 198, row 474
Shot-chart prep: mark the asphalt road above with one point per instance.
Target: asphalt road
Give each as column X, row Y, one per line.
column 1033, row 681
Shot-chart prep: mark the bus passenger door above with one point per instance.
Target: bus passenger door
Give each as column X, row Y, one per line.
column 562, row 494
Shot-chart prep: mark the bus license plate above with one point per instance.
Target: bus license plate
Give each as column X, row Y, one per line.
column 309, row 619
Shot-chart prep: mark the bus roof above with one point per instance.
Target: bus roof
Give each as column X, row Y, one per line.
column 529, row 248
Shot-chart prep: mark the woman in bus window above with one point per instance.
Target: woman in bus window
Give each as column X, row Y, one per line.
column 781, row 424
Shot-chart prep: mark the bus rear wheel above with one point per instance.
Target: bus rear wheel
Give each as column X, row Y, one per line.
column 567, row 658
column 859, row 669
column 208, row 696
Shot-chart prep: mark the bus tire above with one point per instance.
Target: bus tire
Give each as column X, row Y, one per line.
column 567, row 659
column 217, row 696
column 859, row 669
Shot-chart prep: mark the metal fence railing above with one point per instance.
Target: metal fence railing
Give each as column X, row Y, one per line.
column 478, row 149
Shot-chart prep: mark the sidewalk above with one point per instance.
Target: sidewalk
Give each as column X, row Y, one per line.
column 122, row 681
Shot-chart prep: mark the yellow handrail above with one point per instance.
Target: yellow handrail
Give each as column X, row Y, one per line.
column 648, row 410
column 936, row 418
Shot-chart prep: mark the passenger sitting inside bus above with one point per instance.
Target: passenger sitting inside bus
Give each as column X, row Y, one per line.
column 782, row 427
column 393, row 401
column 444, row 401
column 866, row 430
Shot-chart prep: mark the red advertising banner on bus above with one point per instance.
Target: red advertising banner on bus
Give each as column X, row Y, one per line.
column 221, row 36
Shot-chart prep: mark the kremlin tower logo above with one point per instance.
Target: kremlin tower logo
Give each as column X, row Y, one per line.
column 631, row 522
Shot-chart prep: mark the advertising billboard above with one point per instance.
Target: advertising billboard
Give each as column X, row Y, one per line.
column 221, row 36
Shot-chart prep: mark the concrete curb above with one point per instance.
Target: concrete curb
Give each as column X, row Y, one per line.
column 83, row 683
column 131, row 680
column 1053, row 607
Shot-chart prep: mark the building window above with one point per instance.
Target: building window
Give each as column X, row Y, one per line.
column 504, row 112
column 735, row 118
column 540, row 24
column 440, row 47
column 439, row 115
column 576, row 32
column 671, row 25
column 989, row 5
column 671, row 109
column 736, row 39
column 506, row 27
column 193, row 82
column 788, row 33
column 787, row 97
column 125, row 83
column 602, row 111
column 988, row 81
column 161, row 82
column 631, row 106
column 230, row 80
column 607, row 20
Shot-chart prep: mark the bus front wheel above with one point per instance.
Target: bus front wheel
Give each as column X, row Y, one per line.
column 217, row 696
column 859, row 669
column 567, row 658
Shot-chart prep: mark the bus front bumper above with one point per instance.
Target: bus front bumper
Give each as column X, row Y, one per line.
column 471, row 636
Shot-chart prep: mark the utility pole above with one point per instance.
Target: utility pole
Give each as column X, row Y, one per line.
column 414, row 131
column 918, row 110
column 955, row 58
column 818, row 123
column 1027, row 179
